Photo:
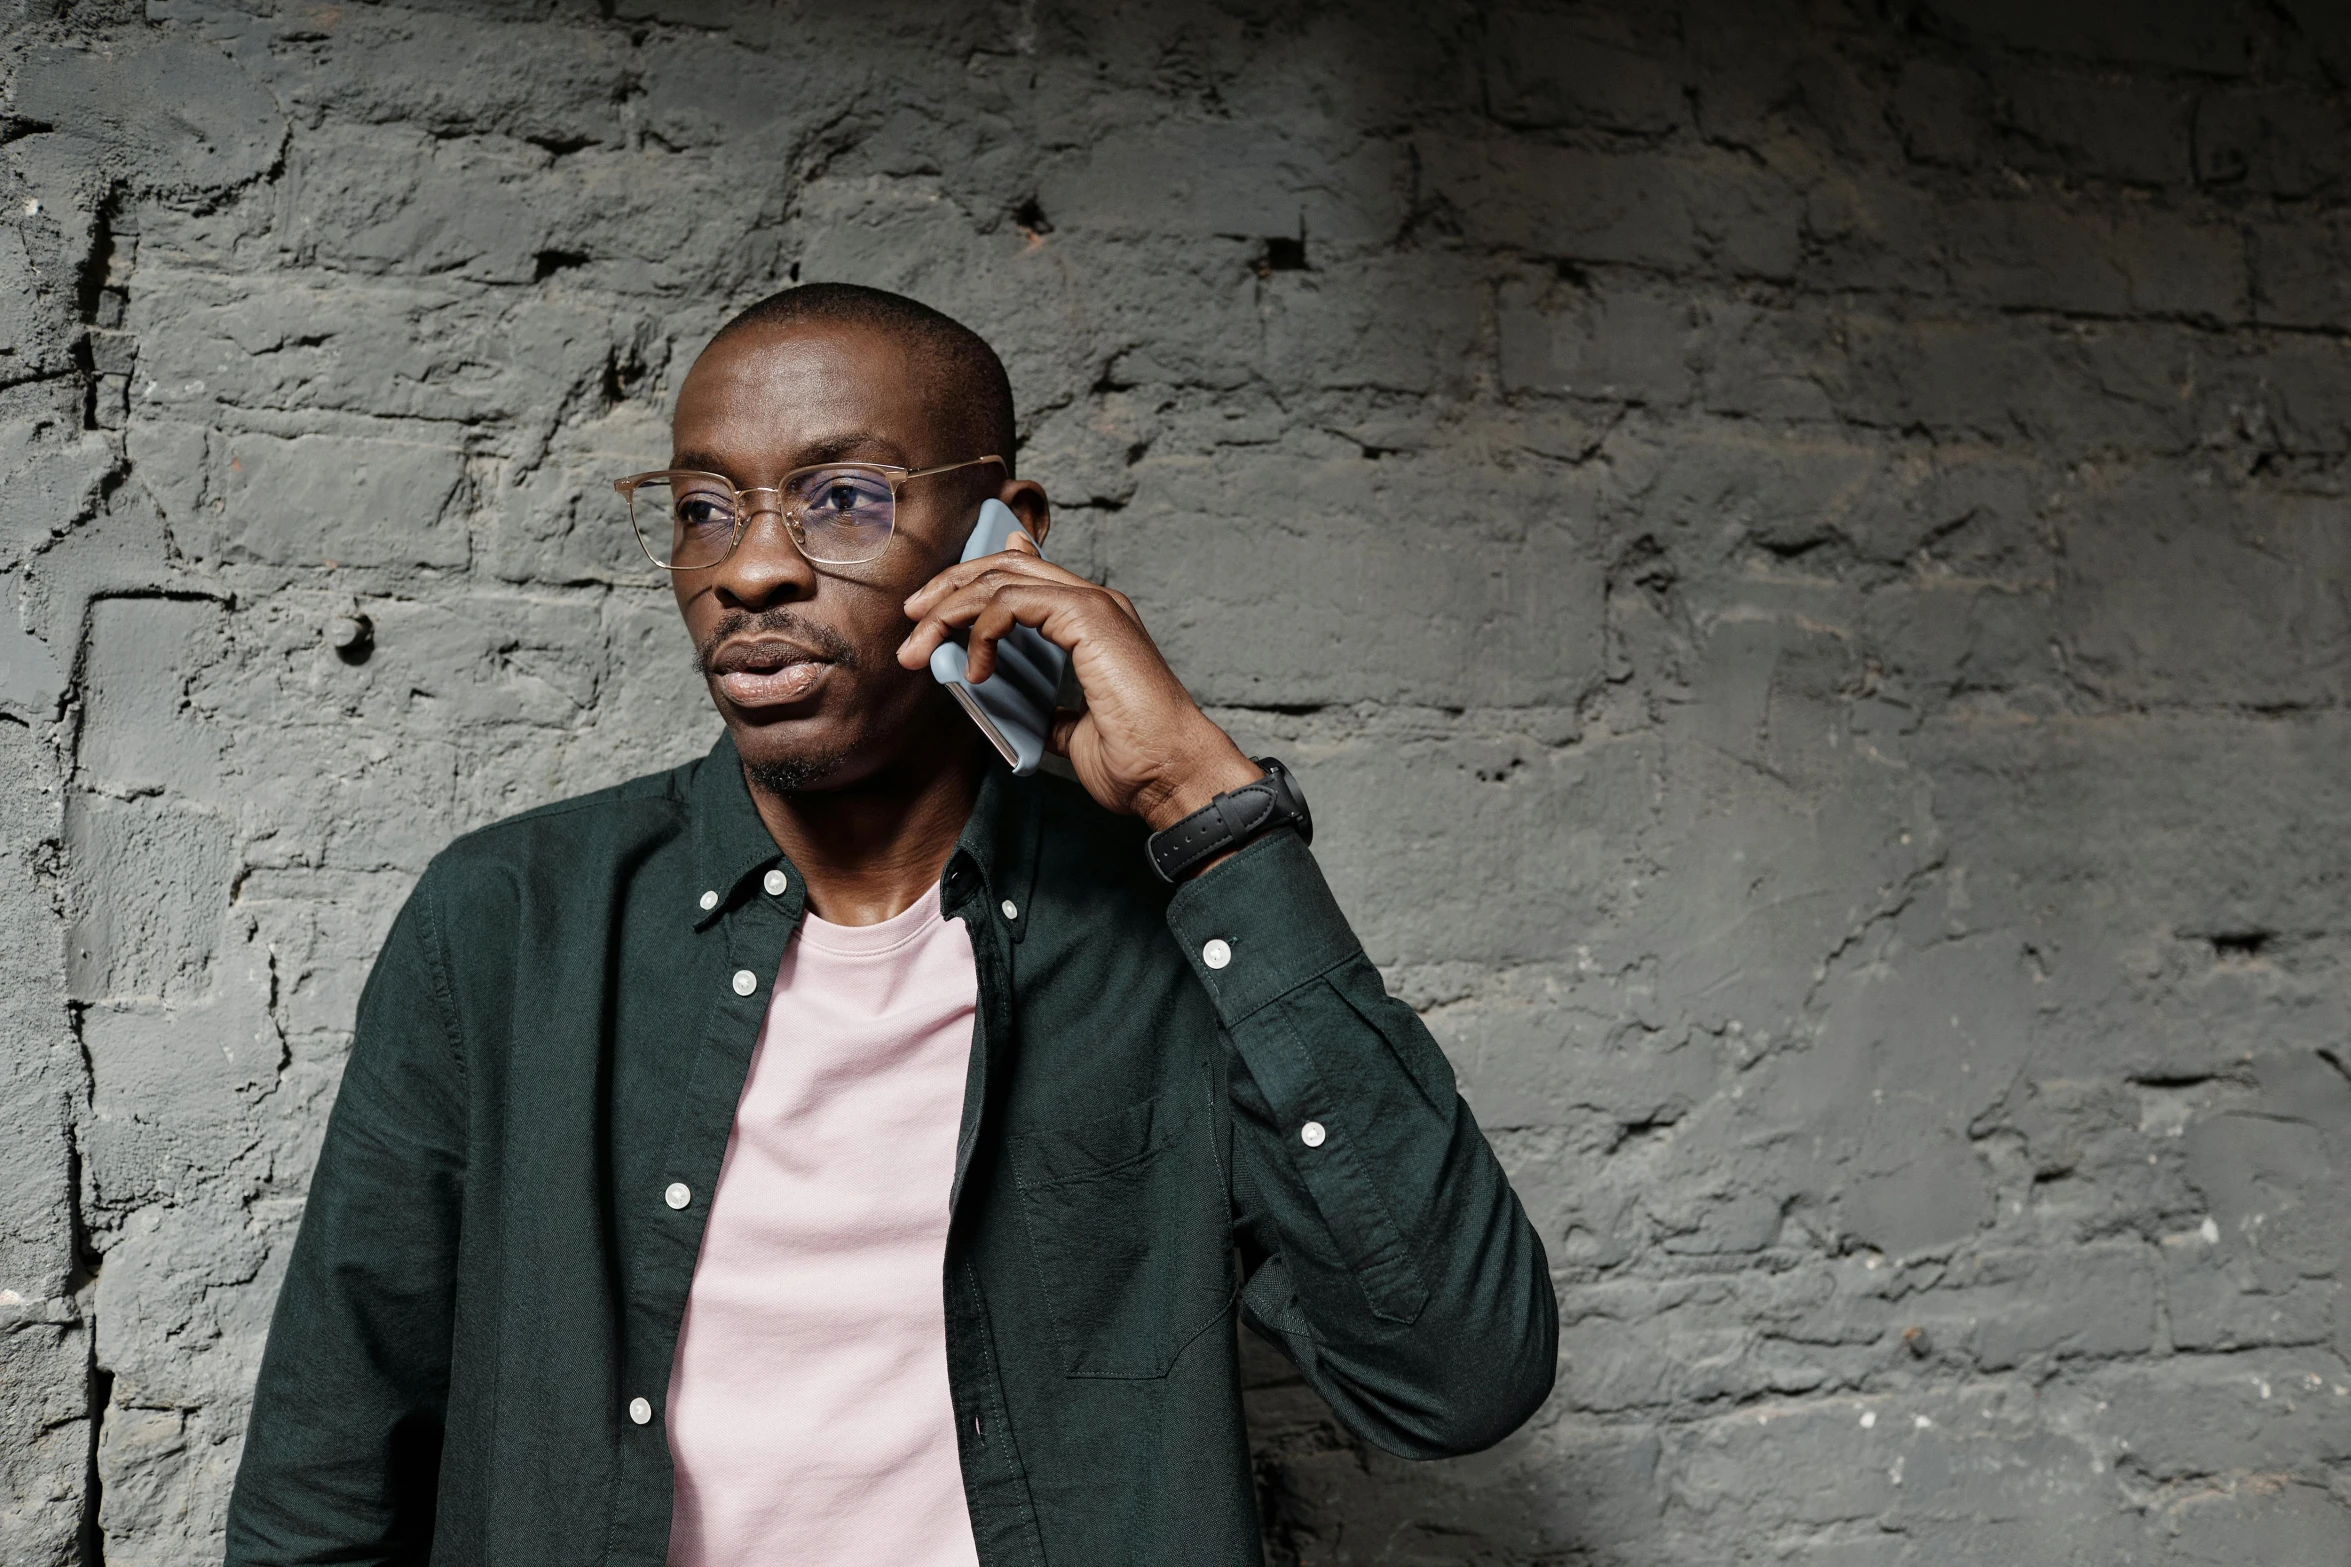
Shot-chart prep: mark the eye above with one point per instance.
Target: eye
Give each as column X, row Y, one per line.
column 705, row 511
column 842, row 494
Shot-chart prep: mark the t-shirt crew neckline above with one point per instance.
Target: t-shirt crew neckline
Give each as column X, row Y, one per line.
column 903, row 928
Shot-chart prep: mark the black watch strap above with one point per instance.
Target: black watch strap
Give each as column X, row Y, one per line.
column 1230, row 820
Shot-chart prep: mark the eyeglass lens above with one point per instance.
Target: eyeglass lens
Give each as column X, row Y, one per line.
column 838, row 516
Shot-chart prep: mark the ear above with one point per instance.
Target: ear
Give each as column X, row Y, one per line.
column 1026, row 497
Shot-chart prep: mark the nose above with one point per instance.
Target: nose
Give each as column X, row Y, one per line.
column 766, row 567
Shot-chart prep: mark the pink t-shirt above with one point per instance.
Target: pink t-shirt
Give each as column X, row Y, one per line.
column 809, row 1413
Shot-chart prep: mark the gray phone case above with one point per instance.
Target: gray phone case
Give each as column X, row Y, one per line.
column 1014, row 705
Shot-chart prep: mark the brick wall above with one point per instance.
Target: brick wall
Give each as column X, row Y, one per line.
column 1798, row 547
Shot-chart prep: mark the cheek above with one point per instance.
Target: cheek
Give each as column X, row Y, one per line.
column 875, row 606
column 921, row 553
column 870, row 618
column 877, row 642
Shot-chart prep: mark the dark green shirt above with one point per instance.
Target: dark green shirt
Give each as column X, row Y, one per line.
column 559, row 1027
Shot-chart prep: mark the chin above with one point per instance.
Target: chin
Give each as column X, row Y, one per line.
column 787, row 752
column 820, row 751
column 791, row 768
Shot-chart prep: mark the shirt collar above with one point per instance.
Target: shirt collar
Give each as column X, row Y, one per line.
column 998, row 846
column 730, row 840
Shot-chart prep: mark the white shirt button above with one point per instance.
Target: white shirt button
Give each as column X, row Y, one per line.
column 745, row 982
column 1312, row 1134
column 710, row 900
column 678, row 1195
column 1216, row 954
column 640, row 1411
column 775, row 882
column 1010, row 908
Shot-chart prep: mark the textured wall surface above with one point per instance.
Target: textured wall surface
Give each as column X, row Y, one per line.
column 1800, row 550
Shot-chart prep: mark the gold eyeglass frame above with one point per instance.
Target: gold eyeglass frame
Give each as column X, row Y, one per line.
column 895, row 477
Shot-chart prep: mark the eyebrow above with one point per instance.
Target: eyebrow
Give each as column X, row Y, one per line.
column 832, row 449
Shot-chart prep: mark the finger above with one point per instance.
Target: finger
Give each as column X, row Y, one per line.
column 1065, row 724
column 964, row 573
column 963, row 605
column 1033, row 604
column 1051, row 612
column 944, row 617
column 1029, row 566
column 991, row 623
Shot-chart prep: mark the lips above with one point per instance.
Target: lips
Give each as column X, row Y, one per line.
column 767, row 672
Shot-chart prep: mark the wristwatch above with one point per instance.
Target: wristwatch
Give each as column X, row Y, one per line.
column 1231, row 819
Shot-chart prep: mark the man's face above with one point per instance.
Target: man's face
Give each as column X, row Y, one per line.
column 801, row 658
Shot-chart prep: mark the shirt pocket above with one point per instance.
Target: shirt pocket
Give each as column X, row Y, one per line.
column 1127, row 1217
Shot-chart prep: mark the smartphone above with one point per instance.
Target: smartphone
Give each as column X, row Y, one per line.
column 1014, row 705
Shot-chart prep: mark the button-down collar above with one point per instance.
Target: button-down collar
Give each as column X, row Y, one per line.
column 994, row 859
column 731, row 842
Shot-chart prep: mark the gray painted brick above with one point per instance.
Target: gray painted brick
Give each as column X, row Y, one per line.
column 1545, row 70
column 2070, row 123
column 2182, row 34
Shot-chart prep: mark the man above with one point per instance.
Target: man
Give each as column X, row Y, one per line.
column 839, row 1150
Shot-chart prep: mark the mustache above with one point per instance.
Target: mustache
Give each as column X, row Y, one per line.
column 824, row 641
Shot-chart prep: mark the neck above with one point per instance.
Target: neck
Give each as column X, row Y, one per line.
column 871, row 849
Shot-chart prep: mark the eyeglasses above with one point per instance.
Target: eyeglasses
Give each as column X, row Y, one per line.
column 838, row 513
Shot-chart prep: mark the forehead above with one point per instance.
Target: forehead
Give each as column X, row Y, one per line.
column 776, row 397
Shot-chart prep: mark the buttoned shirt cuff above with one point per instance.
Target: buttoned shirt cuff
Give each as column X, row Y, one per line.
column 1260, row 925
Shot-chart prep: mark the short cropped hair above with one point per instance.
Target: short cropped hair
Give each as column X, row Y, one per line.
column 967, row 376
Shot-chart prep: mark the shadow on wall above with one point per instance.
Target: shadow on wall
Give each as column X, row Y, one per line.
column 1797, row 548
